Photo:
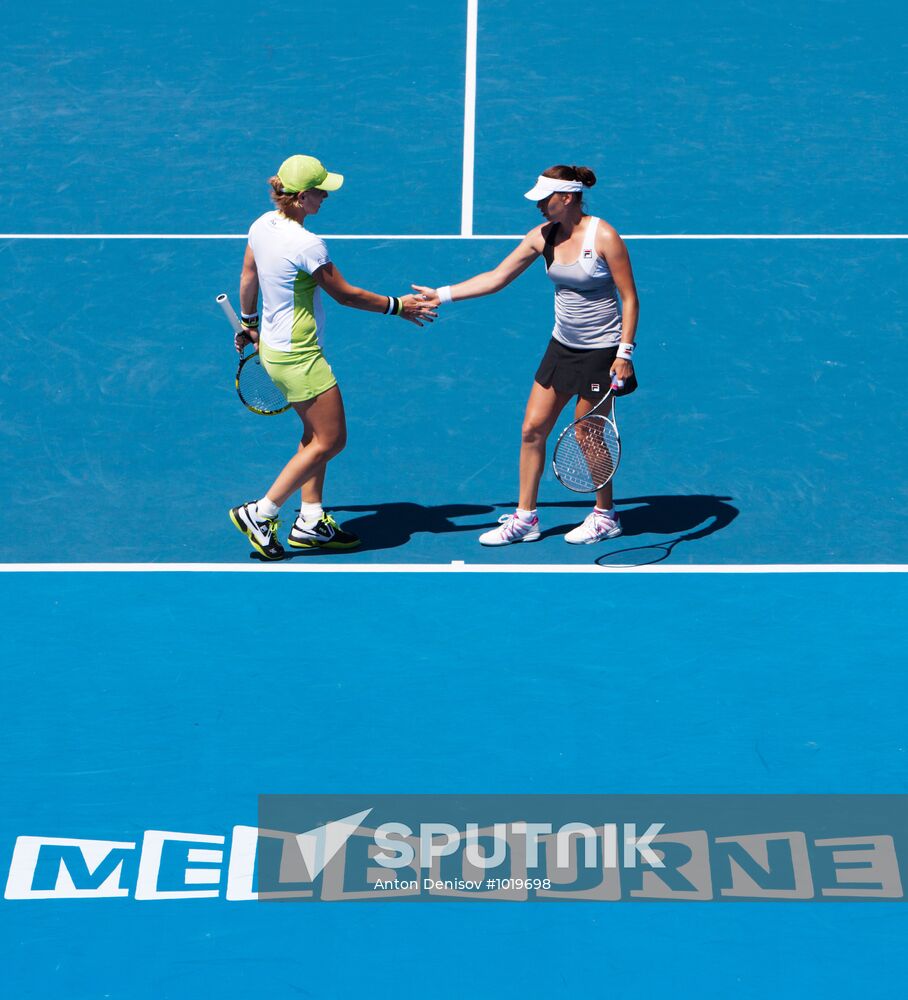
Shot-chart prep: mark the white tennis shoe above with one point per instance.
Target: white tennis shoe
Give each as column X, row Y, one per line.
column 595, row 528
column 512, row 528
column 260, row 531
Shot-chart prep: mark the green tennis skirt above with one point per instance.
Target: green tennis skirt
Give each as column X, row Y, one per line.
column 298, row 378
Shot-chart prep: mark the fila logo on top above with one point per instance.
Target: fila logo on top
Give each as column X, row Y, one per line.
column 588, row 254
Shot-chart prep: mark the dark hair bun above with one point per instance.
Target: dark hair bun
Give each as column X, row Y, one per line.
column 586, row 176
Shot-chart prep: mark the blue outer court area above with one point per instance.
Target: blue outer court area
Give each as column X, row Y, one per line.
column 171, row 701
column 769, row 429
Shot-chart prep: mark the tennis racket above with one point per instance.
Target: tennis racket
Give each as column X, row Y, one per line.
column 256, row 390
column 588, row 451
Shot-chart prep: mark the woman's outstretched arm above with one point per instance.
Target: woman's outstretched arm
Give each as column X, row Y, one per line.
column 489, row 282
column 409, row 307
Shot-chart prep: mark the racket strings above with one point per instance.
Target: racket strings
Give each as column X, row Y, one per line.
column 587, row 454
column 257, row 390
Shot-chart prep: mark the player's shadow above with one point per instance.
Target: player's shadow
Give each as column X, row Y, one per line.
column 671, row 515
column 686, row 518
column 390, row 525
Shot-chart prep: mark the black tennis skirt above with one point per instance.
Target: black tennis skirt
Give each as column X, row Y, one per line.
column 580, row 372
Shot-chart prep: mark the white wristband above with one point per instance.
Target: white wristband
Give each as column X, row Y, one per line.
column 444, row 294
column 625, row 352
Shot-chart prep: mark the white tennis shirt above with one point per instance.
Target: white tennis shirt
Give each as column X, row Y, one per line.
column 286, row 257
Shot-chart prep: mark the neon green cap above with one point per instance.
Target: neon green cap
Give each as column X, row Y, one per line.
column 301, row 173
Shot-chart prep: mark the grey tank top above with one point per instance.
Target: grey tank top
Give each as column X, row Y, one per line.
column 587, row 311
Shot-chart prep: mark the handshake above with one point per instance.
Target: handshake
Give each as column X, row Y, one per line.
column 420, row 306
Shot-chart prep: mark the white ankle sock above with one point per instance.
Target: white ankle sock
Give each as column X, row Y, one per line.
column 266, row 507
column 310, row 512
column 526, row 515
column 605, row 513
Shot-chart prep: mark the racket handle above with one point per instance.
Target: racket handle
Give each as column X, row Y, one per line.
column 232, row 317
column 617, row 383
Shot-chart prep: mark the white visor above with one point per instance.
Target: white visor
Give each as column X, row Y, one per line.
column 549, row 185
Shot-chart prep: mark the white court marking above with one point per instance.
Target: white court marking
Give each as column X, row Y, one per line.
column 469, row 121
column 297, row 566
column 454, row 236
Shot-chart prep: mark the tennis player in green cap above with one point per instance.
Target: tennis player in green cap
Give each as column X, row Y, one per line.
column 290, row 266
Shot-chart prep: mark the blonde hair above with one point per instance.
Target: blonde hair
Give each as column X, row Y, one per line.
column 281, row 199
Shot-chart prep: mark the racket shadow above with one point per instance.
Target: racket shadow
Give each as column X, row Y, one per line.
column 639, row 555
column 713, row 514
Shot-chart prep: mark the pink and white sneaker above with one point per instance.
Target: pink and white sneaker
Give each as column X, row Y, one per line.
column 512, row 528
column 595, row 528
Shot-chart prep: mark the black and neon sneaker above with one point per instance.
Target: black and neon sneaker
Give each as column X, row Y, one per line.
column 261, row 531
column 325, row 533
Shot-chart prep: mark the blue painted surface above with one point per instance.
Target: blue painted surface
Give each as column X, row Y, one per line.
column 718, row 118
column 769, row 428
column 765, row 426
column 700, row 118
column 158, row 703
column 171, row 118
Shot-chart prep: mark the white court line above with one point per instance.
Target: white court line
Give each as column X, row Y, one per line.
column 454, row 236
column 452, row 567
column 469, row 121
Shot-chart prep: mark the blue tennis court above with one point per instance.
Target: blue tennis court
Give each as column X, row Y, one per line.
column 744, row 634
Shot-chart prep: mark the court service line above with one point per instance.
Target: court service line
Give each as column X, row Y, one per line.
column 454, row 236
column 298, row 566
column 469, row 121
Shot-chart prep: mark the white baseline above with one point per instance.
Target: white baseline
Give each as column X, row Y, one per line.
column 454, row 236
column 452, row 567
